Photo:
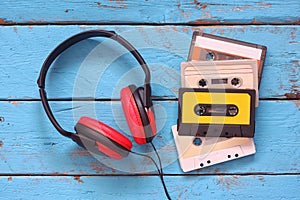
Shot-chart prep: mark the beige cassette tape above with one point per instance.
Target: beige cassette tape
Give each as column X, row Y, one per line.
column 227, row 74
column 199, row 152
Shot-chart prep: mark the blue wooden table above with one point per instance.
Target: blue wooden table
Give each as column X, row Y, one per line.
column 37, row 163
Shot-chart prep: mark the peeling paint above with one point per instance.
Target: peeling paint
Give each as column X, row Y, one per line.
column 204, row 6
column 264, row 5
column 181, row 193
column 204, row 22
column 14, row 102
column 9, row 178
column 1, row 144
column 199, row 4
column 77, row 178
column 49, row 143
column 292, row 95
column 228, row 182
column 120, row 4
column 80, row 152
column 293, row 34
column 5, row 22
column 97, row 167
column 262, row 178
column 240, row 8
column 15, row 29
column 256, row 22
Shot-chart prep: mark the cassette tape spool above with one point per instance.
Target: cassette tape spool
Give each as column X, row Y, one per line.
column 199, row 152
column 234, row 74
column 210, row 47
column 216, row 112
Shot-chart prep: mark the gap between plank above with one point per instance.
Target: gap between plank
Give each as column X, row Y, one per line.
column 192, row 23
column 150, row 175
column 116, row 100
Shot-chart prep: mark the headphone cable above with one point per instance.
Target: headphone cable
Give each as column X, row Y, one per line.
column 159, row 169
column 161, row 172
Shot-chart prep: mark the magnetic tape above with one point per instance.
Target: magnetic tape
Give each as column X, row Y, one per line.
column 210, row 47
column 216, row 112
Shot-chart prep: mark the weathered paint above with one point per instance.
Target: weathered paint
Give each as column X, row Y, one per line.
column 171, row 12
column 148, row 187
column 23, row 52
column 36, row 162
column 42, row 150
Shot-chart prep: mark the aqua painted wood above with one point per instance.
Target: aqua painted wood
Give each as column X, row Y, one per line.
column 27, row 136
column 23, row 50
column 37, row 163
column 173, row 12
column 144, row 187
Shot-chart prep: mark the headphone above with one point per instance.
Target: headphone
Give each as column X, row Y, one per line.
column 95, row 135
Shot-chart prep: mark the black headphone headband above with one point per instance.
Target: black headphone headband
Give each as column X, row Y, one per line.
column 73, row 40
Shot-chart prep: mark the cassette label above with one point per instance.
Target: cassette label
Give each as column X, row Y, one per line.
column 210, row 47
column 227, row 113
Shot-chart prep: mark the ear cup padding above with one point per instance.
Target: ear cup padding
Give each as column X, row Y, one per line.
column 95, row 143
column 132, row 115
column 147, row 115
column 152, row 121
column 138, row 95
column 109, row 152
column 106, row 131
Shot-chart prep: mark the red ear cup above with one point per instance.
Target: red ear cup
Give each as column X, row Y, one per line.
column 141, row 122
column 108, row 140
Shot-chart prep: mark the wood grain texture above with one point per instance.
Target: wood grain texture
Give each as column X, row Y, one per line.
column 37, row 163
column 30, row 145
column 171, row 12
column 202, row 187
column 102, row 73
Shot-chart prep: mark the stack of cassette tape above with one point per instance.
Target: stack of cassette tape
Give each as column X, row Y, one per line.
column 217, row 101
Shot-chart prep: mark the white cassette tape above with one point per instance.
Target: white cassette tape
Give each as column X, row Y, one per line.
column 227, row 74
column 199, row 152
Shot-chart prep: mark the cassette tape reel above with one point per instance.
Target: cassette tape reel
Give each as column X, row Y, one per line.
column 210, row 47
column 234, row 74
column 199, row 152
column 216, row 112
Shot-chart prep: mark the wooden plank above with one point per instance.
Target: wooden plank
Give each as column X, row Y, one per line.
column 30, row 145
column 23, row 50
column 192, row 12
column 194, row 187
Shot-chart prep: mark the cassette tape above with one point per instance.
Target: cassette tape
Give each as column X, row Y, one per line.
column 210, row 47
column 216, row 112
column 235, row 74
column 199, row 152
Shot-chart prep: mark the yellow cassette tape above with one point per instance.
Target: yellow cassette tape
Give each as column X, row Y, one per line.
column 216, row 112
